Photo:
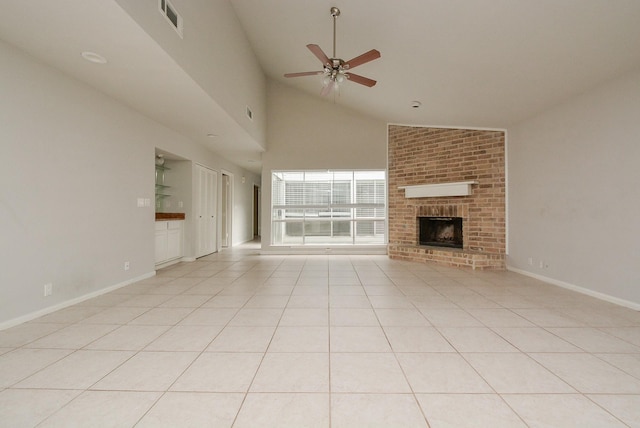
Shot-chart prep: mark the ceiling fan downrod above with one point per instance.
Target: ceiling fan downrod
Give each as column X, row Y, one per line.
column 335, row 13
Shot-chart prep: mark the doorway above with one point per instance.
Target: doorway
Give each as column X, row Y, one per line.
column 256, row 211
column 226, row 202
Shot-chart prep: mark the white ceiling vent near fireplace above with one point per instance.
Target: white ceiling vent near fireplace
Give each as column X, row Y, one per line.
column 172, row 16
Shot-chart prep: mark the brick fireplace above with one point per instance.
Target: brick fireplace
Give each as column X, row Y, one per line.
column 421, row 156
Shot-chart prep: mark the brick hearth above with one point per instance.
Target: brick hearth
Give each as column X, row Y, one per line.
column 420, row 156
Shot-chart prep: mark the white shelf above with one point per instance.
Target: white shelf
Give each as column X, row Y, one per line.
column 460, row 188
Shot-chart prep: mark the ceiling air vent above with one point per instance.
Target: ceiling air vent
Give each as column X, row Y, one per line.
column 169, row 12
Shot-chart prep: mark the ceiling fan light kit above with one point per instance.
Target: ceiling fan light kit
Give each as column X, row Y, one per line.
column 335, row 70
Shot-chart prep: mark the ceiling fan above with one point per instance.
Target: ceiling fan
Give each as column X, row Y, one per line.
column 335, row 70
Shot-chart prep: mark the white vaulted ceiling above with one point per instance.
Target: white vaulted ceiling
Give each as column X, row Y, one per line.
column 139, row 72
column 484, row 63
column 470, row 62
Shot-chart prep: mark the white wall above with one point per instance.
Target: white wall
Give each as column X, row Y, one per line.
column 74, row 163
column 305, row 132
column 573, row 192
column 215, row 52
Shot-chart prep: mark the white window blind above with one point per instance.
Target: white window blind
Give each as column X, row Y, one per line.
column 328, row 207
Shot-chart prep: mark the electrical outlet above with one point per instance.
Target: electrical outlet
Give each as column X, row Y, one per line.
column 126, row 265
column 48, row 289
column 530, row 261
column 541, row 264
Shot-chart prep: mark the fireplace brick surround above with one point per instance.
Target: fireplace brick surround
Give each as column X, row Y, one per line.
column 419, row 155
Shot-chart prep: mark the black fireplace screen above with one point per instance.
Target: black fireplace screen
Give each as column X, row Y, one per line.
column 441, row 231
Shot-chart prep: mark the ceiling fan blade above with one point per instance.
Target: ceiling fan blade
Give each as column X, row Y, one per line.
column 360, row 79
column 327, row 89
column 317, row 51
column 304, row 73
column 364, row 58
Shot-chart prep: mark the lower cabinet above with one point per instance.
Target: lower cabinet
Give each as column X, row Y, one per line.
column 168, row 240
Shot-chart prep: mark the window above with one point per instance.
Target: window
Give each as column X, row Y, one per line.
column 328, row 208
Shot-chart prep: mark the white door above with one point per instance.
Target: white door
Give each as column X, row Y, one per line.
column 206, row 193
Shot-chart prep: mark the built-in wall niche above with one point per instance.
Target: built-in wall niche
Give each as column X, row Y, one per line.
column 172, row 182
column 162, row 187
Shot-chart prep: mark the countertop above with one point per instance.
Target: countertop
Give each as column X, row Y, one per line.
column 169, row 216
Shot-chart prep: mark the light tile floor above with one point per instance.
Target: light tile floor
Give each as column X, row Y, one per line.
column 247, row 340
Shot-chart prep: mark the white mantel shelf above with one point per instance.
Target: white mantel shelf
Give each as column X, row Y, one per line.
column 460, row 188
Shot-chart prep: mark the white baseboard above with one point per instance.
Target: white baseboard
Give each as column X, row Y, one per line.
column 242, row 242
column 345, row 250
column 602, row 296
column 37, row 314
column 170, row 263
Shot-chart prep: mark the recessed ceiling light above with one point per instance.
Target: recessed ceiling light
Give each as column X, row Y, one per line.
column 94, row 57
column 415, row 104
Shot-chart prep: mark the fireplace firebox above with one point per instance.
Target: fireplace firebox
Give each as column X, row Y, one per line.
column 440, row 231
